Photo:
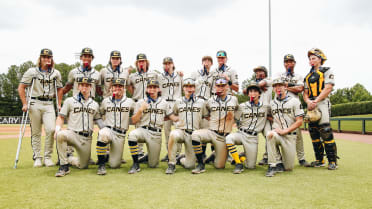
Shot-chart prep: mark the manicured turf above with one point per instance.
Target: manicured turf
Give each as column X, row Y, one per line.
column 348, row 187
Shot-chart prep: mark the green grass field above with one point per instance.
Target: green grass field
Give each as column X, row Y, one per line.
column 348, row 187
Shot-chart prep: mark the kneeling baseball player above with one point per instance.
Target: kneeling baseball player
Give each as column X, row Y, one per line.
column 252, row 116
column 150, row 114
column 221, row 109
column 116, row 110
column 81, row 111
column 190, row 111
column 287, row 113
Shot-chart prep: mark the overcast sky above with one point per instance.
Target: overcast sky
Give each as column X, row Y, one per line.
column 188, row 30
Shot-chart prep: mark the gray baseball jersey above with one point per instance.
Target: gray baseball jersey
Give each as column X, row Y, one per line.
column 170, row 85
column 252, row 117
column 79, row 72
column 80, row 113
column 203, row 83
column 285, row 111
column 139, row 83
column 233, row 76
column 44, row 82
column 108, row 74
column 117, row 113
column 294, row 79
column 154, row 115
column 222, row 113
column 266, row 96
column 190, row 113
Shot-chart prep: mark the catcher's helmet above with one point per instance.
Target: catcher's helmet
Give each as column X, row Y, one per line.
column 317, row 52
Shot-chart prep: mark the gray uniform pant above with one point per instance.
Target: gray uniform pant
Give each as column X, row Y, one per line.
column 116, row 141
column 153, row 143
column 179, row 136
column 81, row 144
column 287, row 152
column 208, row 136
column 324, row 107
column 42, row 113
column 250, row 145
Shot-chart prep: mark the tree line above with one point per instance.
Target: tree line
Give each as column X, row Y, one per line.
column 11, row 105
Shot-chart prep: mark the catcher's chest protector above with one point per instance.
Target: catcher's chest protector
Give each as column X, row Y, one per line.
column 315, row 82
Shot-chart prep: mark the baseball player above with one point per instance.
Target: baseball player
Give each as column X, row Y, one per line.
column 113, row 70
column 221, row 109
column 85, row 70
column 319, row 83
column 204, row 79
column 116, row 110
column 265, row 85
column 190, row 111
column 226, row 72
column 252, row 119
column 44, row 79
column 171, row 89
column 149, row 116
column 80, row 111
column 295, row 86
column 287, row 116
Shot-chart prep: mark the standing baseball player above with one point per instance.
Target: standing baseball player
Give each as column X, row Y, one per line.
column 116, row 110
column 295, row 86
column 149, row 116
column 287, row 116
column 265, row 85
column 221, row 109
column 171, row 89
column 318, row 86
column 190, row 111
column 252, row 119
column 80, row 111
column 226, row 72
column 204, row 79
column 44, row 79
column 113, row 71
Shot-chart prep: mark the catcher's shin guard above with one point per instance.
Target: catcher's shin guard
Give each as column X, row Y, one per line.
column 317, row 143
column 329, row 142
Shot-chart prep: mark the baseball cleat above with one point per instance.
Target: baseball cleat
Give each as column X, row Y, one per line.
column 63, row 171
column 165, row 158
column 238, row 168
column 200, row 168
column 134, row 169
column 123, row 161
column 316, row 164
column 304, row 163
column 38, row 163
column 171, row 169
column 264, row 161
column 332, row 166
column 270, row 171
column 210, row 159
column 101, row 170
column 144, row 159
column 48, row 162
column 279, row 168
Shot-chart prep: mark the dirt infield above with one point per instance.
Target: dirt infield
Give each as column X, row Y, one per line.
column 13, row 130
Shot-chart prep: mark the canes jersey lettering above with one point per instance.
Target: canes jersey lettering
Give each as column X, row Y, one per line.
column 222, row 113
column 108, row 75
column 154, row 115
column 233, row 76
column 117, row 113
column 79, row 72
column 170, row 85
column 252, row 117
column 139, row 83
column 294, row 79
column 203, row 83
column 285, row 111
column 80, row 113
column 190, row 112
column 315, row 81
column 44, row 82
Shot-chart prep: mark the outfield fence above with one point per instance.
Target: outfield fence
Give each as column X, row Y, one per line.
column 363, row 128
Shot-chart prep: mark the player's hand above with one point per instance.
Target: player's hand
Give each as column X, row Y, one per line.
column 59, row 108
column 144, row 106
column 57, row 129
column 270, row 135
column 225, row 76
column 24, row 108
column 180, row 73
column 281, row 132
column 311, row 105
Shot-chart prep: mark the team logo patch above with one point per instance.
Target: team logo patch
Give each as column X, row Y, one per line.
column 331, row 76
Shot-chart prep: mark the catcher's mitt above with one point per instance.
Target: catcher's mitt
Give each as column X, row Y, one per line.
column 312, row 116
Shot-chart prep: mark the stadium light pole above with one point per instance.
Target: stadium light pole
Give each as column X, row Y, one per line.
column 270, row 38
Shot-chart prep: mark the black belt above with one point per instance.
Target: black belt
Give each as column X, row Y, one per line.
column 170, row 100
column 84, row 133
column 135, row 100
column 248, row 132
column 293, row 133
column 220, row 133
column 188, row 131
column 151, row 128
column 42, row 99
column 117, row 130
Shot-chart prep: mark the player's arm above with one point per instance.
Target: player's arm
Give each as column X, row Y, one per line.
column 67, row 88
column 130, row 89
column 59, row 124
column 291, row 128
column 172, row 117
column 137, row 116
column 22, row 95
column 325, row 92
column 295, row 88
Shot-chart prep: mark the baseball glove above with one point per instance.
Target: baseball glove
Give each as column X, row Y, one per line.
column 312, row 116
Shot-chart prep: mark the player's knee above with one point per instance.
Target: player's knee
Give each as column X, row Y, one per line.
column 61, row 136
column 103, row 135
column 314, row 131
column 196, row 136
column 115, row 164
column 326, row 132
column 132, row 136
